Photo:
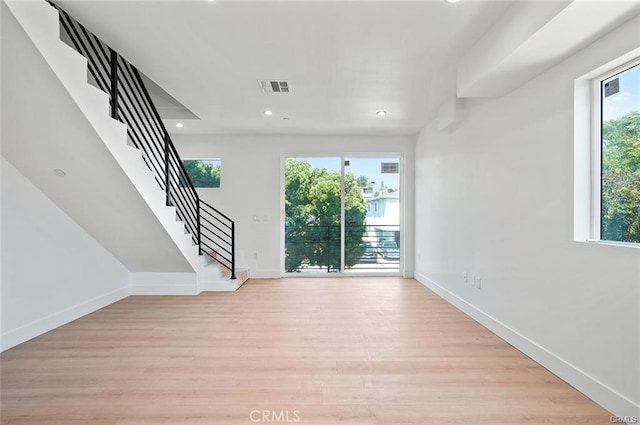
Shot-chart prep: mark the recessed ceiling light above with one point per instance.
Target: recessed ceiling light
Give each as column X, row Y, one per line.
column 58, row 172
column 381, row 113
column 179, row 125
column 452, row 1
column 268, row 112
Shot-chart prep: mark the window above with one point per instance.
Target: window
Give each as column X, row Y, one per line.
column 203, row 172
column 616, row 188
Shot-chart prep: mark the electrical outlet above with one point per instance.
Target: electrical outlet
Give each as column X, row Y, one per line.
column 476, row 281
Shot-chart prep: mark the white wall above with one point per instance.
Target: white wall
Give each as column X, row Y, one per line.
column 53, row 271
column 251, row 173
column 494, row 198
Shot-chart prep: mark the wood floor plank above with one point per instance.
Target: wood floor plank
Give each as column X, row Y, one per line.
column 360, row 351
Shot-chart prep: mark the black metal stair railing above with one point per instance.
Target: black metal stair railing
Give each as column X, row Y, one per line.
column 131, row 104
column 216, row 238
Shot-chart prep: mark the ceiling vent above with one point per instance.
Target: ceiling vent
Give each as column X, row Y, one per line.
column 274, row 86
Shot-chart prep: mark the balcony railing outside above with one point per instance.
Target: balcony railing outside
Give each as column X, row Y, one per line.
column 367, row 248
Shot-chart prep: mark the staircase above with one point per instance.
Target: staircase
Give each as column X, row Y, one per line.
column 123, row 115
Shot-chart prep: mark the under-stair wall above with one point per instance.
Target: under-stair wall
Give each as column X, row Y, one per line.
column 53, row 271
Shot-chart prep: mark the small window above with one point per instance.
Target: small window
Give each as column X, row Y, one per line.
column 617, row 155
column 203, row 172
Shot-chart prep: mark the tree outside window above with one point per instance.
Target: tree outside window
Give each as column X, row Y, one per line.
column 203, row 172
column 620, row 184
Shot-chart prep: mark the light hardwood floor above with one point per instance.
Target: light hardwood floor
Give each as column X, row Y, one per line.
column 355, row 351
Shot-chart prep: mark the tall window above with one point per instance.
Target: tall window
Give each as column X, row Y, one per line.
column 619, row 155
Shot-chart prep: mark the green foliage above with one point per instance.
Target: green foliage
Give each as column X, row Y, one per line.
column 312, row 207
column 202, row 173
column 621, row 179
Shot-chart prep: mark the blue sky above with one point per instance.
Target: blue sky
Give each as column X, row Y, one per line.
column 627, row 99
column 369, row 167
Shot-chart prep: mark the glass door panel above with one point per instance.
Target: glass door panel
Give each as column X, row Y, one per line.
column 372, row 237
column 313, row 215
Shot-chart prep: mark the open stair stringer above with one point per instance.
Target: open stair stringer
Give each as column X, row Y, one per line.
column 40, row 21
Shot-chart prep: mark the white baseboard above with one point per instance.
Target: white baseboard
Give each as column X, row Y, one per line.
column 36, row 328
column 164, row 290
column 226, row 285
column 143, row 283
column 597, row 391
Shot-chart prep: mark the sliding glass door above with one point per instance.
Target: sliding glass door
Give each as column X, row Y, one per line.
column 378, row 233
column 342, row 215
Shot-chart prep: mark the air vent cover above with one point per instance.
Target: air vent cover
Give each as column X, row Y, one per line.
column 275, row 86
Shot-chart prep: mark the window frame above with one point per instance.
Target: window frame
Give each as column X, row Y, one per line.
column 596, row 152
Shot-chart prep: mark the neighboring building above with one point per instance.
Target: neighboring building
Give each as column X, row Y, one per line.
column 383, row 216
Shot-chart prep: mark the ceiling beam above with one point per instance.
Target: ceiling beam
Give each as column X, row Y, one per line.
column 530, row 38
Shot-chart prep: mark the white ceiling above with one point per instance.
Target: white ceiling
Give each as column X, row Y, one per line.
column 345, row 60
